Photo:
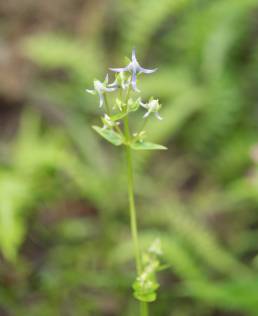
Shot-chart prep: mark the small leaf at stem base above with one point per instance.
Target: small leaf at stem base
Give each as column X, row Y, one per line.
column 110, row 135
column 147, row 146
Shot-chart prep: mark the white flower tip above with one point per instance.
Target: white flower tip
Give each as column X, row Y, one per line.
column 133, row 54
column 90, row 91
column 147, row 71
column 158, row 116
column 118, row 69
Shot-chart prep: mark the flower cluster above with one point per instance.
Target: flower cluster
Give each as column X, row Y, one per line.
column 146, row 285
column 100, row 88
column 135, row 69
column 125, row 84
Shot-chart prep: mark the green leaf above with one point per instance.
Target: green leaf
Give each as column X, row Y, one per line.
column 118, row 116
column 147, row 146
column 145, row 291
column 110, row 135
column 145, row 297
column 14, row 195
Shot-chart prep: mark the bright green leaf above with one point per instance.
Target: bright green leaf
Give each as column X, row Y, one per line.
column 14, row 195
column 111, row 136
column 118, row 116
column 145, row 297
column 147, row 146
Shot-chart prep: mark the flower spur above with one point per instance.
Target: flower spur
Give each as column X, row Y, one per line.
column 100, row 88
column 135, row 68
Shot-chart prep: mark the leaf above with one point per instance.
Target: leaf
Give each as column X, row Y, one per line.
column 111, row 136
column 145, row 291
column 14, row 195
column 147, row 146
column 118, row 116
column 146, row 297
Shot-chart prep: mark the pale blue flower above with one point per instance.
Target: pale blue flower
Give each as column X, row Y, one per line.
column 100, row 88
column 152, row 106
column 135, row 68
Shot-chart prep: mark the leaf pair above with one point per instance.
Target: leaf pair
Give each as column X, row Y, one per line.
column 117, row 140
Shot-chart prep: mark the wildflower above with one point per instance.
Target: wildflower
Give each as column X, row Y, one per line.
column 108, row 123
column 134, row 68
column 152, row 106
column 100, row 88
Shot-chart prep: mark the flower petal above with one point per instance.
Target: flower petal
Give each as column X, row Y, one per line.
column 106, row 79
column 119, row 69
column 146, row 71
column 158, row 116
column 111, row 89
column 101, row 100
column 93, row 92
column 134, row 60
column 146, row 114
column 134, row 82
column 145, row 105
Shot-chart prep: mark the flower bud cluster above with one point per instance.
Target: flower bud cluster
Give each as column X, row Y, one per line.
column 146, row 285
column 125, row 84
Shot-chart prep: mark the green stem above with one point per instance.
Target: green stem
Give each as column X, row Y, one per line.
column 144, row 124
column 133, row 223
column 109, row 113
column 142, row 128
column 106, row 104
column 133, row 220
column 132, row 209
column 127, row 129
column 144, row 309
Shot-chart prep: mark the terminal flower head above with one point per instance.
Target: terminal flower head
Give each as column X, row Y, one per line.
column 100, row 88
column 135, row 68
column 153, row 106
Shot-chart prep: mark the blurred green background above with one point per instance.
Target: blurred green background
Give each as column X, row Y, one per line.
column 64, row 227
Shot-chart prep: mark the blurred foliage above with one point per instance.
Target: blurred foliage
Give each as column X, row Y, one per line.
column 64, row 232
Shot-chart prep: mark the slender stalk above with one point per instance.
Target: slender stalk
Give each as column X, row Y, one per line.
column 106, row 104
column 133, row 223
column 132, row 210
column 144, row 309
column 142, row 128
column 109, row 113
